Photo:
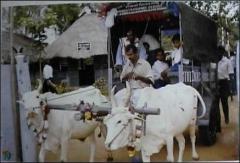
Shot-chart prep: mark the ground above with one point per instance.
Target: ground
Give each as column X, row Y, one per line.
column 226, row 147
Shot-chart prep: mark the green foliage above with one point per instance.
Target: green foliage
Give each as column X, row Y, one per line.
column 101, row 84
column 66, row 15
column 34, row 20
column 220, row 13
column 88, row 61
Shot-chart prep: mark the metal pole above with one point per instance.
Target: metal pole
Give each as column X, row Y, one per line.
column 180, row 68
column 13, row 86
column 109, row 65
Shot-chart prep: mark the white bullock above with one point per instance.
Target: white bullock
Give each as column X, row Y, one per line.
column 61, row 125
column 178, row 110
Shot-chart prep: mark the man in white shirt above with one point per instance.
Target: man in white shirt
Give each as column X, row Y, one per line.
column 224, row 69
column 176, row 54
column 48, row 85
column 137, row 71
column 131, row 38
column 159, row 69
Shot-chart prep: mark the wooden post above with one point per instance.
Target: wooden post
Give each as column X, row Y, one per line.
column 109, row 65
column 29, row 153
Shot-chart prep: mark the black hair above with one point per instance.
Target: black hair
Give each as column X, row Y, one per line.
column 176, row 37
column 221, row 50
column 159, row 50
column 131, row 47
column 232, row 53
column 146, row 44
column 132, row 30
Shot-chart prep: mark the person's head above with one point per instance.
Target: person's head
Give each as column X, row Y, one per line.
column 131, row 52
column 221, row 52
column 160, row 55
column 146, row 46
column 232, row 53
column 176, row 41
column 46, row 62
column 131, row 35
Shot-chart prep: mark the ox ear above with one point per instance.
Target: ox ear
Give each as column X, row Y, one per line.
column 113, row 100
column 20, row 102
column 128, row 94
column 39, row 85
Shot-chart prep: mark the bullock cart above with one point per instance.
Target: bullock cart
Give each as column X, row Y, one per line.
column 199, row 35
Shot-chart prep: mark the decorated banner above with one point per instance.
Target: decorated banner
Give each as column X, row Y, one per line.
column 139, row 7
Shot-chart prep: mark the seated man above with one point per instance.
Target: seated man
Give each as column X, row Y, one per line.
column 137, row 71
column 160, row 69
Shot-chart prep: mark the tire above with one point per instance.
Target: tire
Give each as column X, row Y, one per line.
column 207, row 136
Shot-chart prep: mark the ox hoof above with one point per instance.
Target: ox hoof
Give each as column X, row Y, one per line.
column 110, row 159
column 195, row 158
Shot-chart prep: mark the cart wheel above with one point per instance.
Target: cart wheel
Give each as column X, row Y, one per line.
column 207, row 135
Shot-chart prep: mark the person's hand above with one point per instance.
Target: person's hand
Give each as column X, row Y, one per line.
column 129, row 76
column 168, row 57
column 164, row 74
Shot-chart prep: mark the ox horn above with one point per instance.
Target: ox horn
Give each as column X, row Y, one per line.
column 39, row 85
column 128, row 94
column 113, row 100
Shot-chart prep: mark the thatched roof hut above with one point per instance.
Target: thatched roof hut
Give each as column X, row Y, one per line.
column 86, row 37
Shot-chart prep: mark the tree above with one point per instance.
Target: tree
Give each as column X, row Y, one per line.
column 66, row 15
column 222, row 13
column 34, row 22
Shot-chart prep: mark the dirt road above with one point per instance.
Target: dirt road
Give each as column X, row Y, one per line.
column 226, row 147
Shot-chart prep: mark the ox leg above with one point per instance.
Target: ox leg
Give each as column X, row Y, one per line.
column 42, row 153
column 92, row 147
column 104, row 133
column 64, row 149
column 193, row 140
column 181, row 143
column 145, row 157
column 170, row 156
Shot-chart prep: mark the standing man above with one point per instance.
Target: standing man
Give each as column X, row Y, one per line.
column 137, row 71
column 224, row 69
column 130, row 38
column 177, row 53
column 48, row 85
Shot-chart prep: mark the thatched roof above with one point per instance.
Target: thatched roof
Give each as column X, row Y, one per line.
column 85, row 38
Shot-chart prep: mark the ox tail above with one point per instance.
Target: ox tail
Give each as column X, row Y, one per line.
column 202, row 103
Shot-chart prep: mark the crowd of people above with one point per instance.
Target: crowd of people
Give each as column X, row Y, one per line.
column 158, row 64
column 142, row 69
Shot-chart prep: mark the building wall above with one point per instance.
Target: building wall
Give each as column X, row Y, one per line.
column 8, row 126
